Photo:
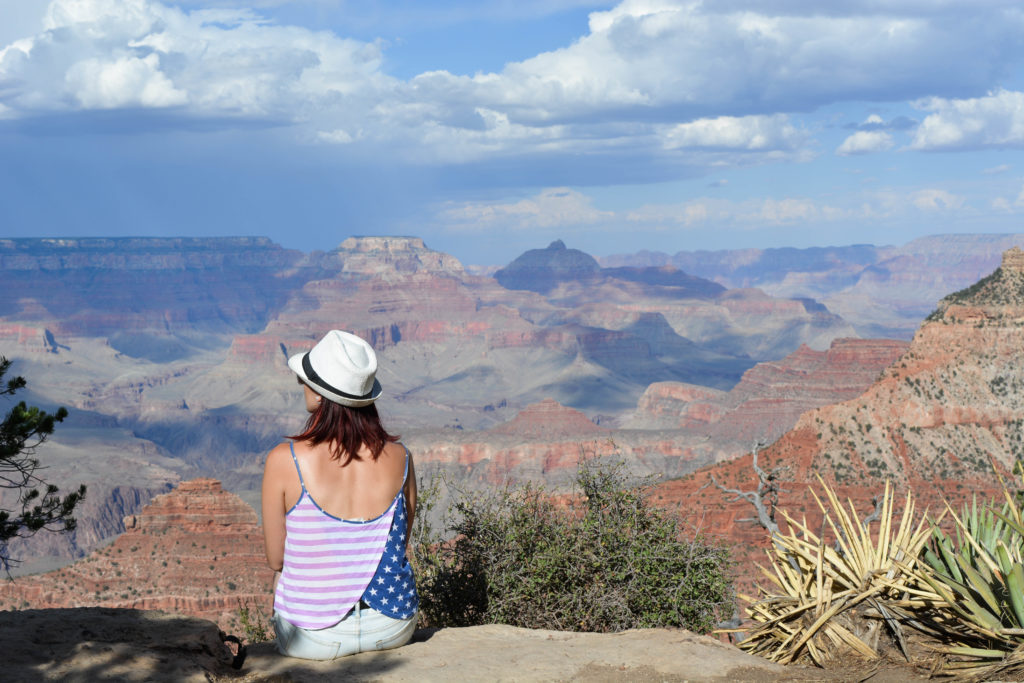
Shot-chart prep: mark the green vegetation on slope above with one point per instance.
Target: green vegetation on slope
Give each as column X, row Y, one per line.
column 602, row 559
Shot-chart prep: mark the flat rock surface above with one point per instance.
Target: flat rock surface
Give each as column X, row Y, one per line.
column 506, row 653
column 96, row 644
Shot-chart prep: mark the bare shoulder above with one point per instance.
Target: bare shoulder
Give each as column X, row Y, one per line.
column 394, row 450
column 279, row 457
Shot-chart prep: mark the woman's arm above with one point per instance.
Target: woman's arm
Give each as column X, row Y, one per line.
column 274, row 477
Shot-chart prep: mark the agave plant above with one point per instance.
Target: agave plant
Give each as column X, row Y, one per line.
column 980, row 580
column 836, row 595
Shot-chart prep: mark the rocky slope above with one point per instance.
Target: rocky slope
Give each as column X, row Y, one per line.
column 944, row 420
column 197, row 550
column 769, row 398
column 676, row 427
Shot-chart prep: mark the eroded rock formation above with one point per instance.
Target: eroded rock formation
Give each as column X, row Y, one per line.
column 944, row 420
column 197, row 550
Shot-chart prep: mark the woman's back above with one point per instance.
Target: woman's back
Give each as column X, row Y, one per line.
column 361, row 489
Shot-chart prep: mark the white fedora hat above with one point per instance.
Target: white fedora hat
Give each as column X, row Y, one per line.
column 341, row 367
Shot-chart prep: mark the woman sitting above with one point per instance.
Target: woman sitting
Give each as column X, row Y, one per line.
column 338, row 504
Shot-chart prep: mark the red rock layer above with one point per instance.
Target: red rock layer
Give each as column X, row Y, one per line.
column 550, row 421
column 197, row 550
column 770, row 397
column 943, row 421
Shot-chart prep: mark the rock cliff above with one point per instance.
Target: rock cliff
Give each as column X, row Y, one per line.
column 769, row 398
column 197, row 550
column 944, row 420
column 149, row 296
column 540, row 270
column 383, row 257
column 173, row 351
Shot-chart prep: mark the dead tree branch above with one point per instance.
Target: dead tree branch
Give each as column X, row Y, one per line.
column 767, row 492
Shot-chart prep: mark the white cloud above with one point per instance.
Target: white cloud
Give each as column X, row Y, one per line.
column 573, row 210
column 936, row 200
column 753, row 133
column 996, row 170
column 553, row 207
column 691, row 57
column 675, row 81
column 786, row 211
column 124, row 82
column 337, row 136
column 129, row 53
column 688, row 214
column 865, row 142
column 993, row 121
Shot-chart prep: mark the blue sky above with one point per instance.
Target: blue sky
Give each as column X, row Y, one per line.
column 488, row 128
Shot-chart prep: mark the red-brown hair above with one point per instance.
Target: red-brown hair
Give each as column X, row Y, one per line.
column 347, row 429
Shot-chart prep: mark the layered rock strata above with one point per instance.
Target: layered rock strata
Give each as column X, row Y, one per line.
column 197, row 550
column 943, row 421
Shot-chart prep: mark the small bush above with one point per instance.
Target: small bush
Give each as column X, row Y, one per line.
column 605, row 560
column 255, row 624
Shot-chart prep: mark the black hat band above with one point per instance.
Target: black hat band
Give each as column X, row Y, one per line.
column 311, row 375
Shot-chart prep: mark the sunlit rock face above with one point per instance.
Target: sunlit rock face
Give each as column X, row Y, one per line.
column 944, row 420
column 197, row 550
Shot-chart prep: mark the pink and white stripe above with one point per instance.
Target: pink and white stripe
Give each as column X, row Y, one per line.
column 328, row 562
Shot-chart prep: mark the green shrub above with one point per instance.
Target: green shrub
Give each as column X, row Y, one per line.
column 254, row 623
column 601, row 559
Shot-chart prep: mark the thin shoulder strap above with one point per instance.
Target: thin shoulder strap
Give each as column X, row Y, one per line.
column 405, row 475
column 296, row 461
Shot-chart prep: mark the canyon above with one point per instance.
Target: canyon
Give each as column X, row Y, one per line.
column 170, row 356
column 883, row 291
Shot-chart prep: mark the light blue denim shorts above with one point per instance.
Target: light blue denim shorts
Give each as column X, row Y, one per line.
column 362, row 630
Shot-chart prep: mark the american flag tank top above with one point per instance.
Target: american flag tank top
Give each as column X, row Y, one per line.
column 329, row 561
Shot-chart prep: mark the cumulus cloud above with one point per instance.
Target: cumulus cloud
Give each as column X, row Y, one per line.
column 993, row 121
column 753, row 133
column 691, row 57
column 131, row 53
column 124, row 82
column 670, row 79
column 865, row 142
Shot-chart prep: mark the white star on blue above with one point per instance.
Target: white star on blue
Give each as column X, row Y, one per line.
column 394, row 575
